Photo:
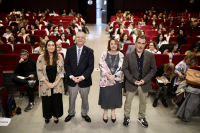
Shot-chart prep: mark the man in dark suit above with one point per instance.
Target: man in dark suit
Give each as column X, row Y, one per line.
column 79, row 65
column 136, row 67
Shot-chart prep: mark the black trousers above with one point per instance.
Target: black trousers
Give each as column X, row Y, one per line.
column 52, row 105
column 160, row 88
column 24, row 82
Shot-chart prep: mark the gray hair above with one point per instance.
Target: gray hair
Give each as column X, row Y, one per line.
column 141, row 37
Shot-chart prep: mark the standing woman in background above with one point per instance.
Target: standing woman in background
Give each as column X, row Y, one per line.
column 110, row 96
column 50, row 71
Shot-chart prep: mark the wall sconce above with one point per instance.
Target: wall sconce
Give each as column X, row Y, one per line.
column 90, row 2
column 105, row 2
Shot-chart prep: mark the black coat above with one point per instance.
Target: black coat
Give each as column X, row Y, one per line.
column 85, row 67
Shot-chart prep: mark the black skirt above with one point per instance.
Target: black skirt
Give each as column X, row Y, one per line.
column 110, row 97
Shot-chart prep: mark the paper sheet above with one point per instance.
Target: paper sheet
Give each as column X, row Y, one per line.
column 4, row 121
column 163, row 77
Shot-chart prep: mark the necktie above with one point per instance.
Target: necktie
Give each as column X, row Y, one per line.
column 78, row 56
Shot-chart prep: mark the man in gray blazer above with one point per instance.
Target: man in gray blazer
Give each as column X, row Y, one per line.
column 136, row 68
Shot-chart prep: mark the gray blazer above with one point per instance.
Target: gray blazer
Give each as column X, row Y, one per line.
column 130, row 70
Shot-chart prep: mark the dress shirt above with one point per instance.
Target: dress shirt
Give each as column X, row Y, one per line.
column 79, row 60
column 140, row 64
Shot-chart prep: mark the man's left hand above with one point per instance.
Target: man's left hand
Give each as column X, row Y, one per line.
column 31, row 76
column 79, row 79
column 141, row 82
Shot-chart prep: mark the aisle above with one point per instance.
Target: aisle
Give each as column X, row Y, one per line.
column 160, row 119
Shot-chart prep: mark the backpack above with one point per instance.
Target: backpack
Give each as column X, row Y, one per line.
column 11, row 105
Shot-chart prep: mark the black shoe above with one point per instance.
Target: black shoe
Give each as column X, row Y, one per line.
column 21, row 95
column 47, row 121
column 87, row 118
column 126, row 121
column 155, row 102
column 113, row 120
column 29, row 107
column 68, row 118
column 143, row 122
column 105, row 120
column 164, row 103
column 56, row 121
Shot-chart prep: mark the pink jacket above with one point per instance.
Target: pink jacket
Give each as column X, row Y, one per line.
column 104, row 69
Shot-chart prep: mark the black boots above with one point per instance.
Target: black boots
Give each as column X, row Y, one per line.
column 164, row 103
column 155, row 102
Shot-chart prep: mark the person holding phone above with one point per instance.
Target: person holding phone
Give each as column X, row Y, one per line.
column 26, row 69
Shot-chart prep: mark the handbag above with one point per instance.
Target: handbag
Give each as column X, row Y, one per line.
column 193, row 77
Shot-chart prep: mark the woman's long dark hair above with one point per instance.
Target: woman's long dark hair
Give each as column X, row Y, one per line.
column 15, row 39
column 194, row 45
column 33, row 40
column 184, row 32
column 70, row 29
column 46, row 54
column 157, row 39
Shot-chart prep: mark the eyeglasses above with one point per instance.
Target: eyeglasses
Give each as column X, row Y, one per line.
column 80, row 37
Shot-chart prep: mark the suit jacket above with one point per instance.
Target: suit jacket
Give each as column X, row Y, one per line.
column 85, row 67
column 130, row 69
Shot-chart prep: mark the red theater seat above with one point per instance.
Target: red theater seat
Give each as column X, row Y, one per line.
column 36, row 45
column 65, row 45
column 6, row 48
column 19, row 47
column 9, row 61
column 195, row 33
column 173, row 38
column 126, row 47
column 130, row 38
column 40, row 33
column 20, row 39
column 37, row 38
column 3, row 39
column 192, row 39
column 178, row 58
column 198, row 58
column 126, row 31
column 70, row 37
column 185, row 48
column 52, row 37
column 145, row 28
column 151, row 33
column 34, row 56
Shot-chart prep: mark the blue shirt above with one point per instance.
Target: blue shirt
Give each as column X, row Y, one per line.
column 140, row 64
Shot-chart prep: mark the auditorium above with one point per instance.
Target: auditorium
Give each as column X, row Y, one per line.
column 99, row 66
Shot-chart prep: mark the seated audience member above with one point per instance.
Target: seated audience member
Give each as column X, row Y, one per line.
column 181, row 25
column 119, row 34
column 20, row 24
column 160, row 40
column 121, row 26
column 46, row 38
column 119, row 14
column 181, row 37
column 164, row 18
column 42, row 20
column 116, row 20
column 164, row 79
column 72, row 25
column 153, row 24
column 60, row 49
column 144, row 18
column 61, row 28
column 41, row 48
column 182, row 67
column 1, row 42
column 70, row 32
column 64, row 13
column 13, row 41
column 72, row 13
column 194, row 49
column 169, row 33
column 23, row 33
column 137, row 32
column 172, row 50
column 63, row 38
column 160, row 28
column 38, row 25
column 77, row 25
column 25, row 24
column 55, row 31
column 132, row 17
column 50, row 24
column 50, row 27
column 79, row 18
column 53, row 13
column 160, row 16
column 153, row 48
column 124, row 39
column 152, row 9
column 150, row 15
column 131, row 28
column 33, row 28
column 31, row 40
column 26, row 68
column 8, row 33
